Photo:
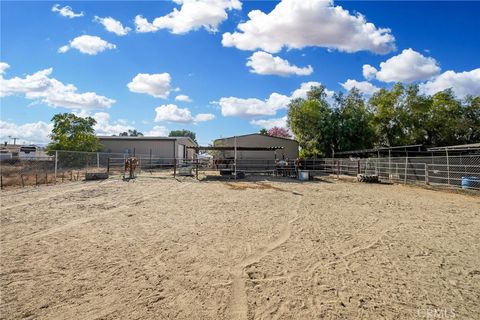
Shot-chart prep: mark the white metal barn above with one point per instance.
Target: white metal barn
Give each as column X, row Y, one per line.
column 160, row 147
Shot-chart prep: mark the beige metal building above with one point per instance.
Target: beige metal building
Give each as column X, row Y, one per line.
column 160, row 147
column 289, row 151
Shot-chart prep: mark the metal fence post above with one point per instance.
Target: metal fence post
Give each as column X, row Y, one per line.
column 98, row 160
column 389, row 165
column 426, row 173
column 196, row 167
column 448, row 168
column 406, row 165
column 56, row 164
column 174, row 167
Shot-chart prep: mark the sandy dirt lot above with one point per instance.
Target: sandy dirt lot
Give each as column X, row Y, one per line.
column 276, row 249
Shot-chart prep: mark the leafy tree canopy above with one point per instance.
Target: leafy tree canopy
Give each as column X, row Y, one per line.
column 73, row 133
column 263, row 131
column 131, row 133
column 311, row 121
column 391, row 117
column 183, row 133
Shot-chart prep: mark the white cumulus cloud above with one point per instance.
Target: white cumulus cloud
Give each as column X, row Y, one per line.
column 32, row 133
column 253, row 107
column 305, row 87
column 202, row 117
column 301, row 23
column 364, row 87
column 113, row 25
column 66, row 11
column 408, row 66
column 270, row 123
column 369, row 72
column 41, row 87
column 193, row 15
column 142, row 25
column 105, row 127
column 157, row 85
column 63, row 49
column 87, row 44
column 3, row 67
column 264, row 63
column 462, row 83
column 157, row 131
column 172, row 113
column 183, row 98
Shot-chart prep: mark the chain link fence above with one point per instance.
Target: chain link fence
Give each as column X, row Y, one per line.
column 455, row 171
column 63, row 166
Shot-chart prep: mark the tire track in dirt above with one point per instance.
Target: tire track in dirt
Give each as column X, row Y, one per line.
column 80, row 221
column 238, row 302
column 60, row 193
column 371, row 241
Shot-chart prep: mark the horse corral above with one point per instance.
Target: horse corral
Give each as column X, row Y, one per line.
column 262, row 248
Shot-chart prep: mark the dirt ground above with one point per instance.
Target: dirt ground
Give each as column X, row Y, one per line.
column 276, row 249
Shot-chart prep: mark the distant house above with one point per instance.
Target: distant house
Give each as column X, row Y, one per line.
column 160, row 147
column 289, row 151
column 22, row 152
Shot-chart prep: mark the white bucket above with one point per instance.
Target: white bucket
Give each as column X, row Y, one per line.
column 303, row 175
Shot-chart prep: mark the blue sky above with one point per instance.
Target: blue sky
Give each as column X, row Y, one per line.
column 127, row 77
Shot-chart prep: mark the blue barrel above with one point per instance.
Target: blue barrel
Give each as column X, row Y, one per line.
column 470, row 182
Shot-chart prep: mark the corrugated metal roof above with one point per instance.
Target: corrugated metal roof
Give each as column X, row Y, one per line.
column 255, row 134
column 136, row 138
column 238, row 148
column 459, row 147
column 143, row 138
column 412, row 146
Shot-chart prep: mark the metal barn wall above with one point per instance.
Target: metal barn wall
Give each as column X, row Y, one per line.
column 161, row 148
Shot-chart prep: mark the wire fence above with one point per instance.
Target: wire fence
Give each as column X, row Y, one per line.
column 63, row 166
column 455, row 171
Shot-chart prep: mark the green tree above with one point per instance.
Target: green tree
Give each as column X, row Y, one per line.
column 311, row 122
column 263, row 131
column 352, row 123
column 417, row 116
column 401, row 115
column 390, row 120
column 131, row 133
column 73, row 133
column 183, row 133
column 470, row 126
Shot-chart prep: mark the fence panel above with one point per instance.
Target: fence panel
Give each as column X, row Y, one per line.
column 437, row 170
column 453, row 171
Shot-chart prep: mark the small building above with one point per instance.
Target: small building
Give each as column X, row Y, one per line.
column 159, row 147
column 289, row 149
column 22, row 152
